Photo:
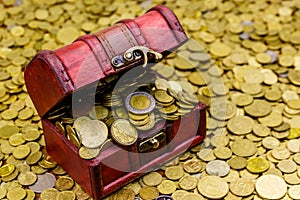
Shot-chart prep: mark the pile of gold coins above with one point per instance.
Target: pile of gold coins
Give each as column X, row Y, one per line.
column 247, row 72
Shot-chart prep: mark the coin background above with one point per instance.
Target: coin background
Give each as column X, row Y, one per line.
column 252, row 46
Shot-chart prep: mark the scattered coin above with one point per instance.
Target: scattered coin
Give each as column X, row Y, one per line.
column 265, row 187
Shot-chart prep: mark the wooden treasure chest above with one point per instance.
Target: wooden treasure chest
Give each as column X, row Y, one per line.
column 107, row 116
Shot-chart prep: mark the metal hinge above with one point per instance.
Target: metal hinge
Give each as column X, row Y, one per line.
column 153, row 142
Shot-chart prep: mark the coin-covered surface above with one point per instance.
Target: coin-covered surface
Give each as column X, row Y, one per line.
column 250, row 47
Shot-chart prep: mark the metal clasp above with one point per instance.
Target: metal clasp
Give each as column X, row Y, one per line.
column 135, row 53
column 153, row 142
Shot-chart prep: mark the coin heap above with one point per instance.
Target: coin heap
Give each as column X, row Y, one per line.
column 252, row 46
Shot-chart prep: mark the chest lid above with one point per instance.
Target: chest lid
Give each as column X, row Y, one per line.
column 68, row 75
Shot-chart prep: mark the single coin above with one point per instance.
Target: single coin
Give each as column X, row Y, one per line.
column 257, row 165
column 8, row 130
column 64, row 183
column 123, row 132
column 43, row 182
column 88, row 153
column 79, row 122
column 258, row 108
column 16, row 139
column 21, row 152
column 220, row 49
column 27, row 178
column 34, row 158
column 149, row 193
column 281, row 153
column 237, row 162
column 152, row 179
column 162, row 96
column 64, row 195
column 66, row 35
column 174, row 172
column 272, row 120
column 294, row 77
column 178, row 194
column 93, row 133
column 294, row 104
column 241, row 187
column 123, row 194
column 223, row 153
column 49, row 194
column 206, row 155
column 188, row 182
column 192, row 166
column 265, row 187
column 16, row 194
column 7, row 169
column 3, row 192
column 292, row 178
column 217, row 168
column 219, row 140
column 140, row 103
column 31, row 135
column 240, row 125
column 243, row 147
column 270, row 142
column 261, row 130
column 166, row 187
column 241, row 99
column 213, row 187
column 293, row 145
column 287, row 166
column 294, row 192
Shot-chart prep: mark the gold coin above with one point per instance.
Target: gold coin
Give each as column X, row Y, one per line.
column 166, row 187
column 138, row 117
column 287, row 166
column 148, row 193
column 213, row 187
column 8, row 130
column 49, row 194
column 243, row 147
column 64, row 183
column 192, row 196
column 16, row 194
column 3, row 192
column 192, row 166
column 152, row 179
column 294, row 77
column 34, row 157
column 241, row 187
column 93, row 133
column 240, row 125
column 258, row 108
column 265, row 187
column 66, row 35
column 7, row 169
column 16, row 139
column 66, row 195
column 72, row 136
column 162, row 96
column 79, row 122
column 257, row 165
column 140, row 102
column 281, row 153
column 174, row 172
column 220, row 49
column 293, row 191
column 197, row 79
column 21, row 152
column 99, row 112
column 237, row 162
column 123, row 132
column 223, row 153
column 27, row 178
column 179, row 194
column 88, row 153
column 188, row 182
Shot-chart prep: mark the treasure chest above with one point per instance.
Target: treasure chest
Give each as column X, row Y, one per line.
column 106, row 118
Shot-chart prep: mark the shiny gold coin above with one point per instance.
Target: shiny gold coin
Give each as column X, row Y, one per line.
column 152, row 179
column 148, row 193
column 140, row 102
column 64, row 183
column 258, row 108
column 31, row 135
column 162, row 96
column 123, row 132
column 6, row 170
column 294, row 77
column 8, row 130
column 16, row 139
column 73, row 137
column 93, row 133
column 166, row 187
column 220, row 49
column 223, row 153
column 257, row 165
column 27, row 178
column 137, row 117
column 213, row 187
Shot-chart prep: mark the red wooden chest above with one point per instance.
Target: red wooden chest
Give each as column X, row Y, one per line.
column 69, row 79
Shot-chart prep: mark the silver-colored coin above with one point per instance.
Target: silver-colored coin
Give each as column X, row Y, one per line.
column 43, row 182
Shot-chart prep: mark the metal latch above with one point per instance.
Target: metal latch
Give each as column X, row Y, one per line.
column 135, row 53
column 153, row 142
